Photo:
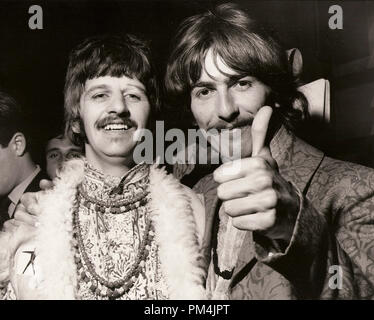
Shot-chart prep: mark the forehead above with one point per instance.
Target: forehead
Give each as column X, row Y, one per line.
column 114, row 82
column 62, row 144
column 215, row 68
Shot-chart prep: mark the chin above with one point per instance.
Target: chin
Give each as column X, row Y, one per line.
column 119, row 153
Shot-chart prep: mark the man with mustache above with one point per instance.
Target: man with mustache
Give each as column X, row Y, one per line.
column 109, row 228
column 283, row 221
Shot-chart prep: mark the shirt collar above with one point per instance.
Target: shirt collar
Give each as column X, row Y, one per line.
column 18, row 191
column 102, row 186
column 297, row 160
column 280, row 144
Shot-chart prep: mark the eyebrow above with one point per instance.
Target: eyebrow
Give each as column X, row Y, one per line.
column 99, row 86
column 70, row 150
column 52, row 149
column 211, row 84
column 106, row 87
column 199, row 84
column 138, row 87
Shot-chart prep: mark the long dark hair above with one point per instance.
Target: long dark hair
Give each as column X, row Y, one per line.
column 245, row 46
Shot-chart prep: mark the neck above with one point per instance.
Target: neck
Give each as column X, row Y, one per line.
column 26, row 168
column 116, row 167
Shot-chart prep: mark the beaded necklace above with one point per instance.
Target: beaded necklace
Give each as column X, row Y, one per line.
column 97, row 284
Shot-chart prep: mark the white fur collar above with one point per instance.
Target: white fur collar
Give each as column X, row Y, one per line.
column 175, row 230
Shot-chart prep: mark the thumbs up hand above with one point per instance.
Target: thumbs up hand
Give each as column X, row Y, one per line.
column 255, row 195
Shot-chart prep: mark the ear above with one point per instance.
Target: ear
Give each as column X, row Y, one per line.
column 18, row 143
column 75, row 127
column 295, row 60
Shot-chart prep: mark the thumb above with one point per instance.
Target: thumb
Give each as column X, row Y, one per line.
column 45, row 184
column 29, row 201
column 259, row 129
column 265, row 154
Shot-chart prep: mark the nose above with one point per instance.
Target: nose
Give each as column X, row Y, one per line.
column 118, row 105
column 227, row 108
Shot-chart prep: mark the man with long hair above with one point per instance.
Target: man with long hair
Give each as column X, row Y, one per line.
column 283, row 221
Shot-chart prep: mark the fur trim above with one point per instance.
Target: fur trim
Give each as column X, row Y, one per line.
column 175, row 233
column 5, row 258
column 54, row 242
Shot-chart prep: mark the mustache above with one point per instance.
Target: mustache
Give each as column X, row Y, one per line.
column 222, row 125
column 111, row 119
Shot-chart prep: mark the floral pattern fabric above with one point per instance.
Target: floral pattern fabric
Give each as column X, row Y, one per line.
column 334, row 229
column 111, row 241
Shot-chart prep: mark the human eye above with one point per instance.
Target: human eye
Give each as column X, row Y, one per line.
column 203, row 93
column 134, row 97
column 243, row 84
column 73, row 155
column 53, row 155
column 100, row 96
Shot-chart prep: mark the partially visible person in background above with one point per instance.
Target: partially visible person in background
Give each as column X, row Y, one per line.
column 58, row 150
column 18, row 171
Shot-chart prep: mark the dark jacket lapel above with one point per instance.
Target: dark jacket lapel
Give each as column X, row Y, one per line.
column 34, row 185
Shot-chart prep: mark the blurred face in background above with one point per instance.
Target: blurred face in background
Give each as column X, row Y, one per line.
column 59, row 150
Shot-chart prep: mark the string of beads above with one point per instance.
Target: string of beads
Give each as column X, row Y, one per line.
column 115, row 207
column 97, row 284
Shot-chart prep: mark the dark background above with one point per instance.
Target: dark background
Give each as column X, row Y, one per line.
column 33, row 62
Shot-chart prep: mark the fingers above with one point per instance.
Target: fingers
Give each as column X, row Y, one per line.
column 229, row 171
column 29, row 201
column 22, row 215
column 259, row 129
column 239, row 168
column 45, row 184
column 266, row 155
column 253, row 203
column 10, row 226
column 242, row 187
column 260, row 221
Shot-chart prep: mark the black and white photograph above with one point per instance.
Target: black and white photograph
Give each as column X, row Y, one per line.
column 187, row 150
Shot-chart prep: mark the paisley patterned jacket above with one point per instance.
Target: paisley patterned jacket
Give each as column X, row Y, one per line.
column 331, row 253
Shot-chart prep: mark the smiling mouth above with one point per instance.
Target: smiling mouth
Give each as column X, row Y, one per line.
column 117, row 127
column 232, row 128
